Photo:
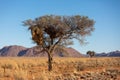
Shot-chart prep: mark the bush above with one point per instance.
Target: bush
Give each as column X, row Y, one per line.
column 80, row 66
column 20, row 75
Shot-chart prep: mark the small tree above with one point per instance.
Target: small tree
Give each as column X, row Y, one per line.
column 51, row 31
column 90, row 53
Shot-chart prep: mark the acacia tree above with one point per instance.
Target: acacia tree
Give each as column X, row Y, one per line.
column 51, row 31
column 90, row 53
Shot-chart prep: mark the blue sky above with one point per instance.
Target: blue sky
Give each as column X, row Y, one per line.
column 106, row 14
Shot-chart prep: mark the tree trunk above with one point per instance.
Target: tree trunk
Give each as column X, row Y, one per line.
column 49, row 62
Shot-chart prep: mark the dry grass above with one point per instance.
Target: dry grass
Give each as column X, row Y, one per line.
column 30, row 68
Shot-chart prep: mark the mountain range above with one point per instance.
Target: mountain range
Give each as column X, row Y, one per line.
column 20, row 51
column 109, row 54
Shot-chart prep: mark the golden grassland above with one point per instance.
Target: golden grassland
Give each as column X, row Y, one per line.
column 35, row 68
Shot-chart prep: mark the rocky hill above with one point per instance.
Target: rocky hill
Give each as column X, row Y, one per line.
column 14, row 51
column 109, row 54
column 11, row 50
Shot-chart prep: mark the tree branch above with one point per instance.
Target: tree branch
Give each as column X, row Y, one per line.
column 54, row 45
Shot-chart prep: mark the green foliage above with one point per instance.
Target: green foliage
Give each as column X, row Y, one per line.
column 90, row 53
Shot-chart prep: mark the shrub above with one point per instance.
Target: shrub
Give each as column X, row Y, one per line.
column 20, row 75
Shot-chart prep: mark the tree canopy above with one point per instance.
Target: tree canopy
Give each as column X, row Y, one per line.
column 51, row 28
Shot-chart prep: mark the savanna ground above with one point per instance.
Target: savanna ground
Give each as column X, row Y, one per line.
column 35, row 68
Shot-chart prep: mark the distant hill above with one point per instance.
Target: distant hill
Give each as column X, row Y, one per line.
column 20, row 51
column 11, row 50
column 109, row 54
